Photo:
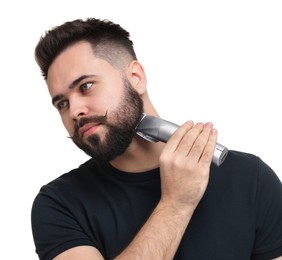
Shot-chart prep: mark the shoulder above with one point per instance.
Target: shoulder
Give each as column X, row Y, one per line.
column 56, row 225
column 244, row 173
column 64, row 188
column 246, row 164
column 241, row 158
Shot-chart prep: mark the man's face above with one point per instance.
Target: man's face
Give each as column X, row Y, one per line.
column 98, row 107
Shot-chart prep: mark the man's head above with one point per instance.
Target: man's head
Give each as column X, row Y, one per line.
column 95, row 83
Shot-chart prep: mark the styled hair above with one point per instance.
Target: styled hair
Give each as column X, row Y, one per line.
column 109, row 41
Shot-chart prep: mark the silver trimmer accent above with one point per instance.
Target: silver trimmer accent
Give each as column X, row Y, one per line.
column 154, row 129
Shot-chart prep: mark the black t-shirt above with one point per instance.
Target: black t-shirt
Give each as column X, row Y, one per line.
column 239, row 216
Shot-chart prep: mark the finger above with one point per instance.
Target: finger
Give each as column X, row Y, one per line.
column 189, row 139
column 174, row 140
column 200, row 143
column 208, row 152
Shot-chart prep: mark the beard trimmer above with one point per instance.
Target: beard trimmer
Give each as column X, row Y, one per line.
column 154, row 129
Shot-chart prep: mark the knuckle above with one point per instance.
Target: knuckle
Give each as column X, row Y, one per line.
column 177, row 163
column 172, row 162
column 163, row 158
column 189, row 167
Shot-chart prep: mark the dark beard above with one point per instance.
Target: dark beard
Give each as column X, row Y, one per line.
column 119, row 134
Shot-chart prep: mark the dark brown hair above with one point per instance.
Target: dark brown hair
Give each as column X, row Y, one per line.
column 109, row 42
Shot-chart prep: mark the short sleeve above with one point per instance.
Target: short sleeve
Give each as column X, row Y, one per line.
column 54, row 228
column 268, row 242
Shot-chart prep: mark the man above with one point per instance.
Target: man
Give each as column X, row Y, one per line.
column 135, row 199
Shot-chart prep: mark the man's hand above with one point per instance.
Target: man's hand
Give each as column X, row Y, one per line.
column 185, row 164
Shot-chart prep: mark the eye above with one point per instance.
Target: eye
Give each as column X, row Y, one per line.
column 86, row 86
column 62, row 104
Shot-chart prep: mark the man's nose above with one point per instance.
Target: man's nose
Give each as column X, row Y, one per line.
column 78, row 108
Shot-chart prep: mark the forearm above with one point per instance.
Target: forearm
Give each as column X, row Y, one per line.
column 160, row 236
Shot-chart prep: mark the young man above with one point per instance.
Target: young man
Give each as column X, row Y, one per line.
column 135, row 199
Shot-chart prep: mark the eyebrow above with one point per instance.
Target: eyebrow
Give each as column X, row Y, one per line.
column 73, row 85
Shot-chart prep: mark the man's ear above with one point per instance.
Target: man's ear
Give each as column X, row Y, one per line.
column 136, row 76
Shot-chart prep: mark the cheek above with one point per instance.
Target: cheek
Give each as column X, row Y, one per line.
column 103, row 103
column 116, row 101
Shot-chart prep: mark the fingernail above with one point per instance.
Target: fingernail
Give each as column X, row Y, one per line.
column 209, row 125
column 214, row 131
column 200, row 124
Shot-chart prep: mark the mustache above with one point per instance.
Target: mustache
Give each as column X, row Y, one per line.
column 91, row 119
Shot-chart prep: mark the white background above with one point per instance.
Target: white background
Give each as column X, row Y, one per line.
column 216, row 61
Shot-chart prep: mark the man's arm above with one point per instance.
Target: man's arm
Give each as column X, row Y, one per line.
column 80, row 252
column 184, row 168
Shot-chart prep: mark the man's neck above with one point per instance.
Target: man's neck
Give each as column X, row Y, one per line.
column 140, row 156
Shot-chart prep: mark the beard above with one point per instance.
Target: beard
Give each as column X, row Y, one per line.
column 119, row 132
